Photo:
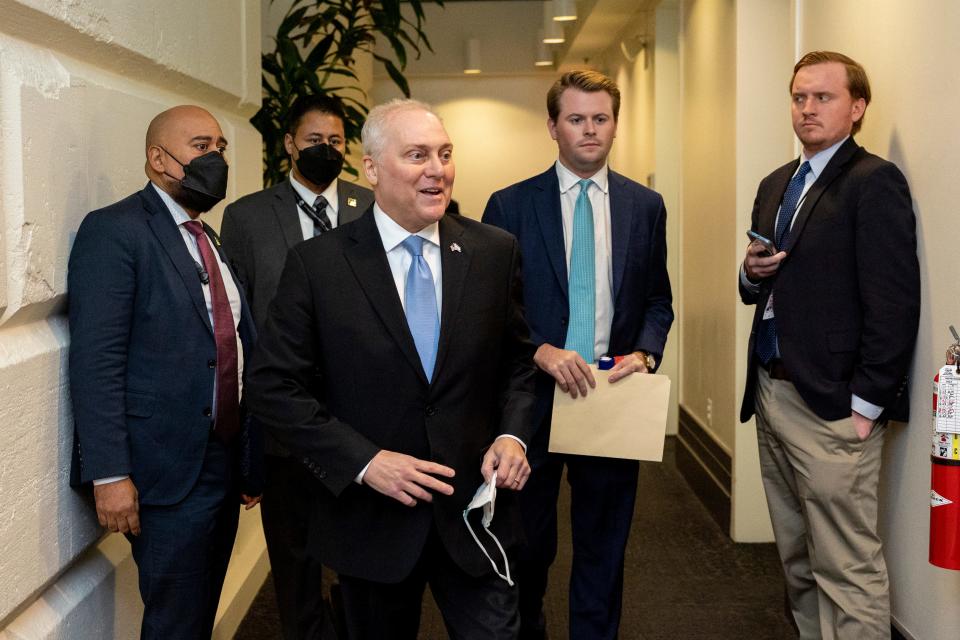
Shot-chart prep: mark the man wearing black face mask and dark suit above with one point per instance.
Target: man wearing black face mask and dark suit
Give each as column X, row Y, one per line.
column 159, row 331
column 258, row 231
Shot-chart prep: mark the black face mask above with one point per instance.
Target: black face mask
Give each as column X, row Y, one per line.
column 320, row 164
column 204, row 182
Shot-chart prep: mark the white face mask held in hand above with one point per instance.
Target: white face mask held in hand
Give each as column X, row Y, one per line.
column 484, row 498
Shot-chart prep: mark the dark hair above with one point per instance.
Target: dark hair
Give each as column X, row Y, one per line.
column 857, row 83
column 584, row 80
column 324, row 103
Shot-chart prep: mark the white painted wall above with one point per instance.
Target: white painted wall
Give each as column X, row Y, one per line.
column 764, row 141
column 79, row 81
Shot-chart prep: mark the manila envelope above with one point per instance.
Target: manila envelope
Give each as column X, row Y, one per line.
column 626, row 419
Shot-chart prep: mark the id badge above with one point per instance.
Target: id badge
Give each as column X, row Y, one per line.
column 768, row 310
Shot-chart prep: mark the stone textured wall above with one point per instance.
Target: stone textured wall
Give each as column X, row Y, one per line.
column 79, row 81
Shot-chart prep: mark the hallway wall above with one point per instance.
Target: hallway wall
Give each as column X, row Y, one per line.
column 708, row 196
column 79, row 82
column 909, row 51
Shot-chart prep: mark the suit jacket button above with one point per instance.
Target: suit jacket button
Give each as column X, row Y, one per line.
column 432, row 411
column 563, row 322
column 207, row 412
column 211, row 363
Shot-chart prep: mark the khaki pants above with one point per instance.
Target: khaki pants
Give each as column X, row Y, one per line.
column 821, row 484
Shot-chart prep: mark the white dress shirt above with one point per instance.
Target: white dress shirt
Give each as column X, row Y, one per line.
column 330, row 193
column 818, row 162
column 180, row 216
column 599, row 195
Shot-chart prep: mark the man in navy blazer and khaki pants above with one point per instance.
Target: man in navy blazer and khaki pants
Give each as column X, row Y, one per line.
column 159, row 330
column 837, row 310
column 595, row 283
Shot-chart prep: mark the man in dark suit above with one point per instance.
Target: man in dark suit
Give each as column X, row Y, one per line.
column 837, row 310
column 594, row 265
column 159, row 331
column 395, row 364
column 258, row 231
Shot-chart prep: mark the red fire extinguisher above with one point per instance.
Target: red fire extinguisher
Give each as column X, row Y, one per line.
column 945, row 488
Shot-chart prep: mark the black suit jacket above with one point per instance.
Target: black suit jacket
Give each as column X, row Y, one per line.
column 336, row 378
column 141, row 344
column 642, row 311
column 847, row 296
column 259, row 229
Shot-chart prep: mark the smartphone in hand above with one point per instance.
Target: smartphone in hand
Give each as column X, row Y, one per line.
column 766, row 242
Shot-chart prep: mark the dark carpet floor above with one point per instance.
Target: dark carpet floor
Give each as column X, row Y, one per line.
column 684, row 578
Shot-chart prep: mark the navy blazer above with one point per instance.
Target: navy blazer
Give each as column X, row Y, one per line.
column 142, row 351
column 847, row 295
column 642, row 299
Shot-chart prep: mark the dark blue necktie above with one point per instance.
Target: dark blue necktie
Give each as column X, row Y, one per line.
column 420, row 302
column 767, row 331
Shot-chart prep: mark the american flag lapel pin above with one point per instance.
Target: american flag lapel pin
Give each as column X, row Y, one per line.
column 455, row 247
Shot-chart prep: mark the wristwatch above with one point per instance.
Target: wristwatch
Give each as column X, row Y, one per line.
column 648, row 360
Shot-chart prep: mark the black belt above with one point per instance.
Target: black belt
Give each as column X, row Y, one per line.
column 777, row 370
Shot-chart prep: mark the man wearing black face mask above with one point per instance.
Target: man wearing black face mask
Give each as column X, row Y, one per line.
column 159, row 334
column 258, row 231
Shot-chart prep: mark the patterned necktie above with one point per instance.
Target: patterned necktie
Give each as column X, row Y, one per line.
column 227, row 422
column 582, row 284
column 420, row 302
column 321, row 221
column 767, row 331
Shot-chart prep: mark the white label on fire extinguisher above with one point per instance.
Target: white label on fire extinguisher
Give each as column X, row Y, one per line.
column 937, row 500
column 948, row 401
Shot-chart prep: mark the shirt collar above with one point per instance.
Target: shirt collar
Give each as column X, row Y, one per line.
column 568, row 178
column 179, row 214
column 330, row 193
column 392, row 234
column 820, row 159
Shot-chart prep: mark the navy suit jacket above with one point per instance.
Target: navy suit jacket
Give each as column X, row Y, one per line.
column 847, row 296
column 642, row 311
column 142, row 353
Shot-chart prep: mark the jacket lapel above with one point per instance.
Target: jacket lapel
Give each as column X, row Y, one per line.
column 546, row 203
column 621, row 204
column 161, row 222
column 830, row 173
column 348, row 208
column 288, row 216
column 369, row 263
column 455, row 264
column 768, row 221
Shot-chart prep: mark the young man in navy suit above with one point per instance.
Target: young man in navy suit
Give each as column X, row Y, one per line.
column 594, row 268
column 159, row 330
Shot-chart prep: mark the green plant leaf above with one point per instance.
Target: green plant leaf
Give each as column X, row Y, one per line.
column 394, row 74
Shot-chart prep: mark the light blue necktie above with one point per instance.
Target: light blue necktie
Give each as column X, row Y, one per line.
column 767, row 331
column 420, row 302
column 582, row 284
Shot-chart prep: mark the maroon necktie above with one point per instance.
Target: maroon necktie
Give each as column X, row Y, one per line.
column 227, row 422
